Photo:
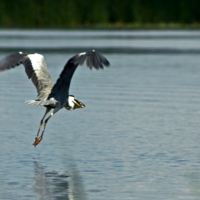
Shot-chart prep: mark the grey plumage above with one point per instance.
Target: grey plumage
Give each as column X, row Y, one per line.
column 36, row 70
column 52, row 95
column 60, row 90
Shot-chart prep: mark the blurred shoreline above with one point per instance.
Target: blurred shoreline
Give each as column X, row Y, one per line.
column 113, row 26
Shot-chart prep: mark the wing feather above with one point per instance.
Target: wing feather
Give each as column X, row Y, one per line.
column 93, row 59
column 12, row 61
column 35, row 68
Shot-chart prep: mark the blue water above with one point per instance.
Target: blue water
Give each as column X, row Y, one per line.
column 138, row 136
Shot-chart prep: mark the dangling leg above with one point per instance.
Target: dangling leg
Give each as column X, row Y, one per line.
column 45, row 122
column 36, row 138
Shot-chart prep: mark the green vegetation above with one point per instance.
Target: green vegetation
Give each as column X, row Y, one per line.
column 99, row 13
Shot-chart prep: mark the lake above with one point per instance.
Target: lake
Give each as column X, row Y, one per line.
column 138, row 136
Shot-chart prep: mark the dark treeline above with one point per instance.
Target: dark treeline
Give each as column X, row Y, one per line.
column 72, row 13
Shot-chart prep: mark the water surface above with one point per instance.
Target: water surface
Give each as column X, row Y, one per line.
column 138, row 136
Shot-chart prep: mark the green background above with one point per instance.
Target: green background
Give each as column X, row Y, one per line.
column 78, row 13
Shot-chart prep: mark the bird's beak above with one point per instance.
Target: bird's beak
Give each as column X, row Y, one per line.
column 79, row 104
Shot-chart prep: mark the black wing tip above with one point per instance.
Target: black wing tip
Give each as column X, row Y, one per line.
column 106, row 63
column 97, row 60
column 92, row 58
column 12, row 60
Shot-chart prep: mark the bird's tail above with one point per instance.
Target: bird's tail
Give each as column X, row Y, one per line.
column 40, row 102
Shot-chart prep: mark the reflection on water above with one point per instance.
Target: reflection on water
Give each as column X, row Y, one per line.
column 50, row 185
column 76, row 188
column 193, row 179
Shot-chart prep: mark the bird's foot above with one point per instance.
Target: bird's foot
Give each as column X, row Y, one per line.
column 37, row 141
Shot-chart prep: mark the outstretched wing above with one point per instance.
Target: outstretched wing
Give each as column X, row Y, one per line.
column 35, row 68
column 60, row 90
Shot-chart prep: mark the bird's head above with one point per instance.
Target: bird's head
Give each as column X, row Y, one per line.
column 73, row 103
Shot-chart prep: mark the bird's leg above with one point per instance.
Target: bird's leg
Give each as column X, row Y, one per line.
column 36, row 138
column 45, row 122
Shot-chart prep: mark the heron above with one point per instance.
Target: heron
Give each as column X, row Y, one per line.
column 52, row 96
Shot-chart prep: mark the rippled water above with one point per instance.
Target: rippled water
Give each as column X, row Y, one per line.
column 138, row 136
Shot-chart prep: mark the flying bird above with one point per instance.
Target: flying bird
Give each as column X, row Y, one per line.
column 50, row 95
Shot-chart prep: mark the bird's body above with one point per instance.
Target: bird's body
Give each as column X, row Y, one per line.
column 50, row 95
